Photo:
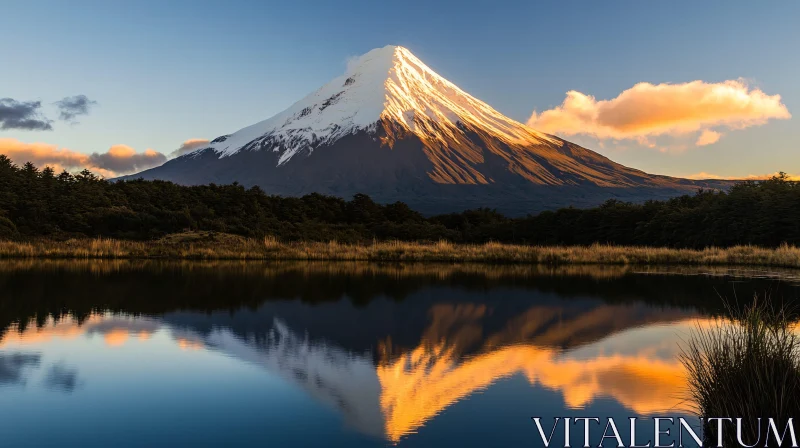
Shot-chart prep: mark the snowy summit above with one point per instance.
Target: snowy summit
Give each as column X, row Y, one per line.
column 385, row 83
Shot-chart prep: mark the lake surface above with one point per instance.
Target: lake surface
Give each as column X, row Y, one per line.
column 104, row 353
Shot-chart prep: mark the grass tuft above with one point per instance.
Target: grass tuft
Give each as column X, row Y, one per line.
column 747, row 366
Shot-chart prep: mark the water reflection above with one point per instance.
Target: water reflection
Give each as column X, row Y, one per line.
column 401, row 393
column 13, row 364
column 645, row 378
column 385, row 348
column 61, row 377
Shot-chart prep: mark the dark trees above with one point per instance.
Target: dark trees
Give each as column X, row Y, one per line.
column 41, row 203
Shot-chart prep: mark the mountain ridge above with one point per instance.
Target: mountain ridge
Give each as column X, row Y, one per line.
column 392, row 128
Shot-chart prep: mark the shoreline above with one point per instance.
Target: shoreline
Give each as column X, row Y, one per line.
column 209, row 246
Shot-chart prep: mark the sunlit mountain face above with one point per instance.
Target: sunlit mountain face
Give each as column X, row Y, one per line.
column 263, row 348
column 392, row 128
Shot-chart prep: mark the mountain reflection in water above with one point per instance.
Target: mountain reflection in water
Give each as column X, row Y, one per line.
column 387, row 348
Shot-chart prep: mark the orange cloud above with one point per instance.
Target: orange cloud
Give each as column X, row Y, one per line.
column 188, row 344
column 649, row 110
column 119, row 159
column 144, row 335
column 64, row 329
column 704, row 176
column 188, row 146
column 116, row 337
column 793, row 177
column 708, row 137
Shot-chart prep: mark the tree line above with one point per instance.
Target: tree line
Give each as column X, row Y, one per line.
column 40, row 203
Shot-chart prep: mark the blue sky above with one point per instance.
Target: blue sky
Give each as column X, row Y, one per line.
column 163, row 72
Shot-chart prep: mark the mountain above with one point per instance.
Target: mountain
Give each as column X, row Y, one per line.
column 392, row 128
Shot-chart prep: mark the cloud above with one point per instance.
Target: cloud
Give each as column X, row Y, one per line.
column 118, row 160
column 72, row 106
column 124, row 159
column 15, row 369
column 649, row 110
column 702, row 175
column 188, row 146
column 62, row 378
column 792, row 177
column 12, row 366
column 23, row 115
column 705, row 176
column 708, row 137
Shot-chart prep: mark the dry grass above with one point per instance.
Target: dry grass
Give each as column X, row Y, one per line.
column 747, row 366
column 209, row 246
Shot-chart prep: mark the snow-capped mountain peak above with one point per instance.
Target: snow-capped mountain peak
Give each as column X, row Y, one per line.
column 385, row 83
column 391, row 128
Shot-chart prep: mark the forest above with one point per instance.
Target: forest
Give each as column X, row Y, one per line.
column 39, row 203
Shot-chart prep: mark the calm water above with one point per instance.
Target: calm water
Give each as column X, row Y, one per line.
column 98, row 354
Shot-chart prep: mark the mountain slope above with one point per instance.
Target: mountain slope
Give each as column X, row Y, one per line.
column 392, row 128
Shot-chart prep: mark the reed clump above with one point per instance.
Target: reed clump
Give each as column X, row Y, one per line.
column 746, row 366
column 218, row 246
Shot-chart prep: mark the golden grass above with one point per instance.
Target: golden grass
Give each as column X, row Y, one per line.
column 208, row 246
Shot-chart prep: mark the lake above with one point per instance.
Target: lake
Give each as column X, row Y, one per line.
column 121, row 353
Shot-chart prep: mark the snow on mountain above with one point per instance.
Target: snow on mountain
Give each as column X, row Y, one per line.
column 385, row 83
column 391, row 128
